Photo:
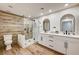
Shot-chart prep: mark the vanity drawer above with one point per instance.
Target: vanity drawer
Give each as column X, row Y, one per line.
column 51, row 46
column 50, row 43
column 49, row 40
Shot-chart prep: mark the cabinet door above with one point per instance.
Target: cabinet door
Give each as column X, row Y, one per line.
column 59, row 44
column 47, row 41
column 43, row 40
column 73, row 46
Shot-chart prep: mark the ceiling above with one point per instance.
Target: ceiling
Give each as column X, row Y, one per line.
column 32, row 9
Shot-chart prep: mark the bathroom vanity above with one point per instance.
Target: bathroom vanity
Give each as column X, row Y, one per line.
column 60, row 34
column 66, row 44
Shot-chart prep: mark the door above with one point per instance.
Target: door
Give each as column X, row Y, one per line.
column 73, row 46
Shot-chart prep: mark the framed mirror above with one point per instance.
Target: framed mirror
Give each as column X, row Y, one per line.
column 46, row 25
column 67, row 23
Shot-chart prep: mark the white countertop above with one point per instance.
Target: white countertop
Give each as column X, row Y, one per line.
column 72, row 36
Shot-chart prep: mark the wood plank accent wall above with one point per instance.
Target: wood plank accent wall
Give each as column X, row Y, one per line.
column 10, row 24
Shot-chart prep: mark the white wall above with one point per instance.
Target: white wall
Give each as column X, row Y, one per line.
column 55, row 19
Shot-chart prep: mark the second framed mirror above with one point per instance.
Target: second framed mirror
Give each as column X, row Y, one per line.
column 46, row 25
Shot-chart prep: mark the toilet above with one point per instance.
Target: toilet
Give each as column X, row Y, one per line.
column 8, row 41
column 22, row 40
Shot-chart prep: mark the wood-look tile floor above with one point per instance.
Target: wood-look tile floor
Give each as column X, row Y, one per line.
column 34, row 49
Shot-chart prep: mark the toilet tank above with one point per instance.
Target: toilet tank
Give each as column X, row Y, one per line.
column 7, row 37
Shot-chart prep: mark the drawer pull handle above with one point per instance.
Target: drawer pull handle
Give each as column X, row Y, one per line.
column 51, row 40
column 51, row 45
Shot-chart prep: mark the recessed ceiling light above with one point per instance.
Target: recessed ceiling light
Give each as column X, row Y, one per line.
column 50, row 10
column 42, row 13
column 66, row 4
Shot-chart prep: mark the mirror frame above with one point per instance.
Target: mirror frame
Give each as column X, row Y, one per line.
column 68, row 16
column 46, row 20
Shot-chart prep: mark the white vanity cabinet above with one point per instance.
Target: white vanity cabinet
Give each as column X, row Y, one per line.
column 56, row 43
column 73, row 46
column 60, row 44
